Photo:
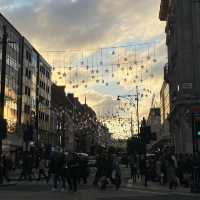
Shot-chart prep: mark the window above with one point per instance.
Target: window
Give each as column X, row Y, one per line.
column 28, row 73
column 28, row 56
column 42, row 70
column 46, row 118
column 42, row 84
column 47, row 75
column 41, row 99
column 47, row 89
column 26, row 109
column 27, row 91
column 47, row 102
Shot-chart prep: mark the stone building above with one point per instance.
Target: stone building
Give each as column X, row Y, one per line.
column 182, row 72
column 165, row 136
column 61, row 123
column 154, row 121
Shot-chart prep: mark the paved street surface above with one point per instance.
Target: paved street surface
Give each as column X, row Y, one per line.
column 41, row 191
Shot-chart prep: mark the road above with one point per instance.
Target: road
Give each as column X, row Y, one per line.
column 41, row 191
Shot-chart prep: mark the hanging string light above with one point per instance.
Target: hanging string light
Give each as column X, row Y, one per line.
column 148, row 56
column 125, row 62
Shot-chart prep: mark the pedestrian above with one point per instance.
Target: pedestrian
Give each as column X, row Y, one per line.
column 73, row 164
column 158, row 170
column 147, row 168
column 84, row 169
column 42, row 168
column 116, row 173
column 107, row 171
column 26, row 167
column 171, row 174
column 133, row 167
column 100, row 165
column 5, row 168
column 58, row 164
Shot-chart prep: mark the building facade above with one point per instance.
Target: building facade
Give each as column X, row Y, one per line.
column 26, row 84
column 43, row 93
column 62, row 127
column 13, row 68
column 182, row 71
column 154, row 121
column 165, row 110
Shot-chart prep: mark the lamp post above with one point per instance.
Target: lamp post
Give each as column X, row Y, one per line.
column 132, row 99
column 61, row 126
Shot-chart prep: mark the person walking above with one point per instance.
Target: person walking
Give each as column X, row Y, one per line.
column 100, row 165
column 116, row 173
column 42, row 168
column 59, row 163
column 171, row 174
column 84, row 169
column 73, row 165
column 158, row 170
column 26, row 167
column 133, row 167
column 5, row 168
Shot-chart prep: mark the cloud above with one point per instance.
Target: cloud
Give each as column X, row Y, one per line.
column 86, row 24
column 62, row 24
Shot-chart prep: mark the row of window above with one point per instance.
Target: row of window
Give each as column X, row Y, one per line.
column 43, row 116
column 28, row 56
column 44, row 72
column 27, row 109
column 44, row 101
column 27, row 91
column 44, row 86
column 28, row 73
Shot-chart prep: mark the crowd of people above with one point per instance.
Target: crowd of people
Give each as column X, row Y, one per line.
column 167, row 169
column 58, row 167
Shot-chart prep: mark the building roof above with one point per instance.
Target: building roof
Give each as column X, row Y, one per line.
column 57, row 96
column 8, row 23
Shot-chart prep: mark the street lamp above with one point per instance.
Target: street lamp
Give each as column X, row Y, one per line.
column 132, row 99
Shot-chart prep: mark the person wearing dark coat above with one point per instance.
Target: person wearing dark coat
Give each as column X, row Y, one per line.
column 73, row 166
column 58, row 163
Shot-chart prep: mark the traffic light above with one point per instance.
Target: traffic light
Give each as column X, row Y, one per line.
column 3, row 128
column 198, row 133
column 197, row 127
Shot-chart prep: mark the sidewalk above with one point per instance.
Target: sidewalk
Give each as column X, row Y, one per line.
column 7, row 184
column 156, row 187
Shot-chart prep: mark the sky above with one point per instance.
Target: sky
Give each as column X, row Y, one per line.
column 81, row 36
